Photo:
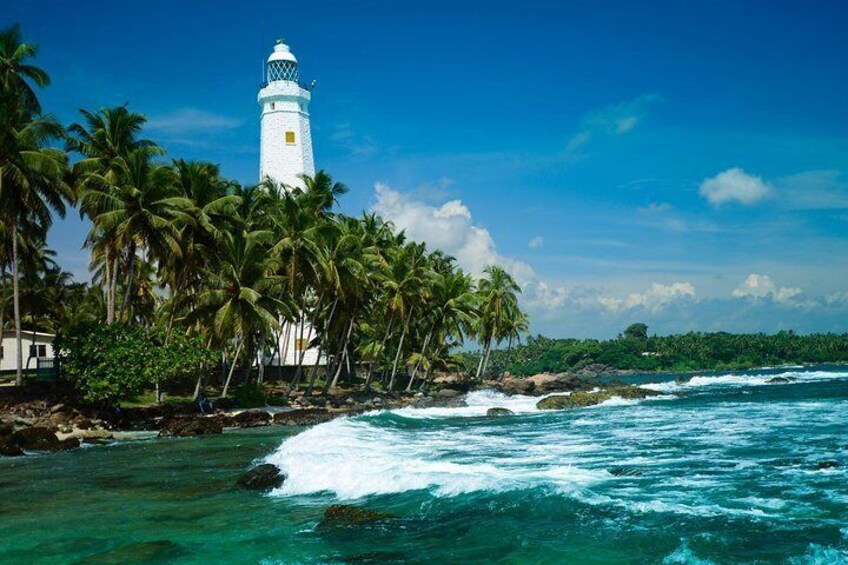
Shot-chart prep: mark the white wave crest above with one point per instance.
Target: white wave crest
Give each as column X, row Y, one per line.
column 744, row 379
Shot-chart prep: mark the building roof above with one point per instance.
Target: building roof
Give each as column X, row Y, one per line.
column 282, row 53
column 7, row 333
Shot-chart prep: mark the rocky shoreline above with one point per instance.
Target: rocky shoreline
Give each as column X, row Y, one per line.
column 38, row 419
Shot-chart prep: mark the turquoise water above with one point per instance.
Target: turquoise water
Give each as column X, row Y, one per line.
column 723, row 469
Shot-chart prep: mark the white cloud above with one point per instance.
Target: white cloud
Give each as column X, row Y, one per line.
column 191, row 121
column 734, row 185
column 536, row 242
column 653, row 300
column 655, row 208
column 613, row 120
column 448, row 227
column 814, row 190
column 759, row 287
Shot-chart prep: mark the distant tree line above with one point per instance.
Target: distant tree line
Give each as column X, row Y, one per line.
column 694, row 351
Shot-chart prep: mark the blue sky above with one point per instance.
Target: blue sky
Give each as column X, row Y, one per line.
column 679, row 163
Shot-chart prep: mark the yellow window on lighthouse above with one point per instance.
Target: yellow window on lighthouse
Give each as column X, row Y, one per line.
column 290, row 137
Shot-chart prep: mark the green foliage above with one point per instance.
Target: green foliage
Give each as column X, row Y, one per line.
column 688, row 352
column 107, row 362
column 250, row 395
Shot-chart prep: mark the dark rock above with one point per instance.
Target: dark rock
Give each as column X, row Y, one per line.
column 188, row 426
column 624, row 472
column 448, row 393
column 827, row 465
column 251, row 419
column 348, row 515
column 262, row 477
column 39, row 439
column 303, row 417
column 497, row 412
column 582, row 399
column 780, row 380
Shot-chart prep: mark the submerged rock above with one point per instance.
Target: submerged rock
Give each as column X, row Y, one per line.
column 826, row 465
column 582, row 399
column 624, row 472
column 498, row 412
column 262, row 477
column 349, row 515
column 184, row 427
column 159, row 551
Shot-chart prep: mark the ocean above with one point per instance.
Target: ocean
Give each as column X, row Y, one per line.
column 744, row 467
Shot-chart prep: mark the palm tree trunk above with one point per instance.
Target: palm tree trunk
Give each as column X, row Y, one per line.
column 232, row 369
column 370, row 375
column 16, row 301
column 418, row 363
column 486, row 362
column 343, row 357
column 108, row 290
column 482, row 358
column 130, row 275
column 2, row 305
column 318, row 356
column 113, row 290
column 399, row 349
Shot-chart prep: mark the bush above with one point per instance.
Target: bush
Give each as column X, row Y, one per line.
column 107, row 362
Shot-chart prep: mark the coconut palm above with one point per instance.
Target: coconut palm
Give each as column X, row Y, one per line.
column 105, row 140
column 498, row 305
column 16, row 75
column 240, row 294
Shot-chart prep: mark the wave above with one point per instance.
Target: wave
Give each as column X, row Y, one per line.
column 745, row 379
column 477, row 403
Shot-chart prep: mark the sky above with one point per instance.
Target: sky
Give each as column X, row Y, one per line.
column 682, row 164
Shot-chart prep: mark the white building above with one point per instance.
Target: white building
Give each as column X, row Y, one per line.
column 285, row 153
column 36, row 345
column 285, row 145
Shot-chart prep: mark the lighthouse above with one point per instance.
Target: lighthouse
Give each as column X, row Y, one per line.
column 285, row 143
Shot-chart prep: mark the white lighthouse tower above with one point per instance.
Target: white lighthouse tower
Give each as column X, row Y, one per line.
column 285, row 144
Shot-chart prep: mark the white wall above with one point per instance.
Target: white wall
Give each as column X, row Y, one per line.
column 290, row 336
column 10, row 350
column 285, row 108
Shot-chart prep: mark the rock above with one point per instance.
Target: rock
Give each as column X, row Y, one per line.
column 498, row 412
column 452, row 380
column 87, row 436
column 262, row 477
column 350, row 401
column 582, row 399
column 780, row 380
column 419, row 395
column 251, row 419
column 448, row 393
column 39, row 439
column 827, row 465
column 8, row 449
column 517, row 386
column 348, row 515
column 624, row 472
column 376, row 401
column 189, row 426
column 57, row 408
column 303, row 417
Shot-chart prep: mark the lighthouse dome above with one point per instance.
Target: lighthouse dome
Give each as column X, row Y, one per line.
column 282, row 64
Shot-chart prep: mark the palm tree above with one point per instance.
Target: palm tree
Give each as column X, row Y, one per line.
column 240, row 293
column 137, row 204
column 105, row 139
column 498, row 305
column 31, row 174
column 16, row 74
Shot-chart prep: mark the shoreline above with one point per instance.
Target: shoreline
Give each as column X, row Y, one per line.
column 52, row 422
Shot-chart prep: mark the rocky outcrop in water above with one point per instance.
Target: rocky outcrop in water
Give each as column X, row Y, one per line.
column 190, row 426
column 499, row 412
column 261, row 478
column 349, row 515
column 582, row 399
column 303, row 417
column 36, row 438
